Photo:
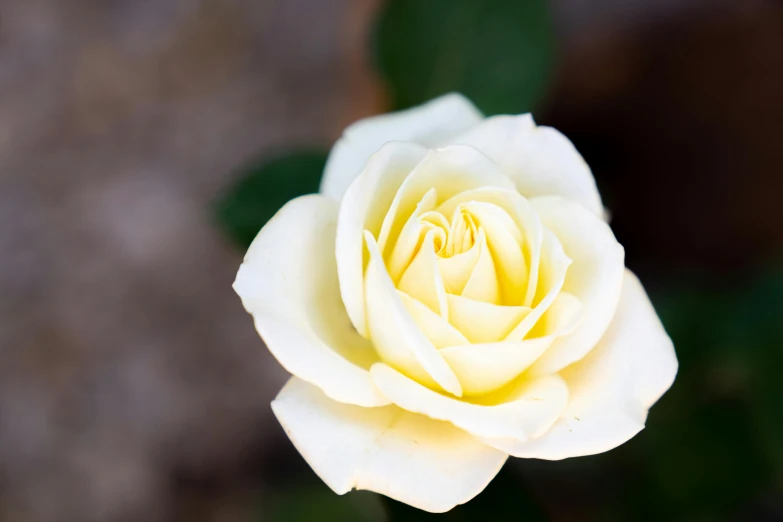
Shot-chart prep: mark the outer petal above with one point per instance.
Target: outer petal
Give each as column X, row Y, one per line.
column 363, row 208
column 654, row 361
column 428, row 464
column 540, row 160
column 595, row 277
column 430, row 124
column 288, row 282
column 528, row 409
column 612, row 388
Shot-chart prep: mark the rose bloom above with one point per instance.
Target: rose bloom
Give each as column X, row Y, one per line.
column 453, row 296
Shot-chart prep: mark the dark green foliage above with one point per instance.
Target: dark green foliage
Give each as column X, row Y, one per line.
column 497, row 52
column 263, row 188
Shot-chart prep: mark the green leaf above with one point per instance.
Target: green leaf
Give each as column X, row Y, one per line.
column 496, row 52
column 264, row 187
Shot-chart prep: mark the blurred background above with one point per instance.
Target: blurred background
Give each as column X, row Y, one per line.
column 143, row 143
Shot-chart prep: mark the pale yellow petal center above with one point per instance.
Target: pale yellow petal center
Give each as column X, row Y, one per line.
column 475, row 272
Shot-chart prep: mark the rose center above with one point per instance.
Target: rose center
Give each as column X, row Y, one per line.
column 450, row 237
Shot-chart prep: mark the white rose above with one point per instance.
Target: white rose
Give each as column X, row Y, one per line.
column 453, row 296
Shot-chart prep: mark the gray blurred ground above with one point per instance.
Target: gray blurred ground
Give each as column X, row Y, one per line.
column 125, row 354
column 125, row 357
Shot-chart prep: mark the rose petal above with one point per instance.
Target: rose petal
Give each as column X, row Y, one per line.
column 483, row 368
column 450, row 170
column 410, row 237
column 540, row 160
column 482, row 284
column 483, row 322
column 519, row 210
column 437, row 329
column 396, row 336
column 288, row 282
column 457, row 269
column 595, row 277
column 430, row 124
column 422, row 279
column 427, row 464
column 654, row 361
column 504, row 239
column 613, row 387
column 363, row 208
column 528, row 410
column 552, row 275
